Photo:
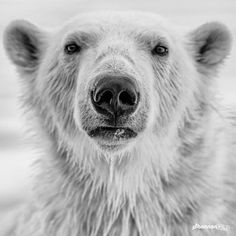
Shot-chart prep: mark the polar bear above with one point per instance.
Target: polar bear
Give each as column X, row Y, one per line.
column 136, row 143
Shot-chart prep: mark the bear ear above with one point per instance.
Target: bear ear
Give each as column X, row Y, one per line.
column 24, row 43
column 211, row 43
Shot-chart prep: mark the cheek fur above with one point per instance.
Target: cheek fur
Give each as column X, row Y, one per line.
column 60, row 90
column 168, row 87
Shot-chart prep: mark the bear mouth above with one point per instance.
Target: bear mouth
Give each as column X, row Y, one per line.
column 112, row 133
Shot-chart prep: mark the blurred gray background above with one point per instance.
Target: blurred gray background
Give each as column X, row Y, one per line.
column 15, row 152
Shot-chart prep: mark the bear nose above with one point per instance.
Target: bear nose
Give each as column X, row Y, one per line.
column 115, row 96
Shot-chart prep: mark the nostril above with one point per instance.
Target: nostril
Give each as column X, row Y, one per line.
column 127, row 98
column 104, row 96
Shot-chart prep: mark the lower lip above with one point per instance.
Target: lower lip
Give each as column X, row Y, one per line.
column 112, row 134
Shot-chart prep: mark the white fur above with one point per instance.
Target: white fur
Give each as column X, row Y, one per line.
column 177, row 172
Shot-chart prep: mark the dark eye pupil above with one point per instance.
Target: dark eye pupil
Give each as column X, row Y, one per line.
column 160, row 50
column 72, row 48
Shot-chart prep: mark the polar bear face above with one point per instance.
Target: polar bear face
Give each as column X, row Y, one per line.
column 115, row 79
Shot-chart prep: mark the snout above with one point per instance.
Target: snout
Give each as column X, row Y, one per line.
column 113, row 101
column 115, row 96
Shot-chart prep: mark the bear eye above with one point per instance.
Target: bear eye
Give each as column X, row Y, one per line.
column 72, row 48
column 160, row 50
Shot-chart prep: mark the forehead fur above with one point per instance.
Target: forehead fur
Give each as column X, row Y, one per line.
column 132, row 21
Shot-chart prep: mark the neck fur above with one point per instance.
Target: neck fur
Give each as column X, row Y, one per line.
column 85, row 192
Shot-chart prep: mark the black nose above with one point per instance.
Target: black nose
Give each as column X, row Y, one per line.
column 115, row 96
